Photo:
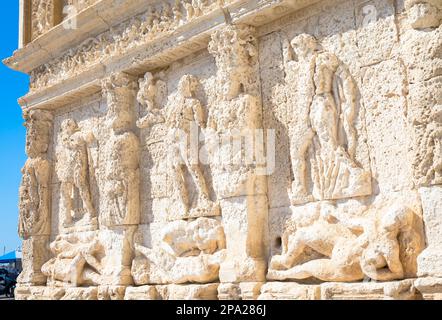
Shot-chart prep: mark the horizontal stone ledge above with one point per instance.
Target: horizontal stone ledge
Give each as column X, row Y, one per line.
column 161, row 52
column 91, row 22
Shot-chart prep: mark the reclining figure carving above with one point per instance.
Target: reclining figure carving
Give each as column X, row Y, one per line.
column 353, row 248
column 190, row 252
column 76, row 260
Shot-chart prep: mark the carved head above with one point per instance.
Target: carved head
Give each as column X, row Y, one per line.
column 39, row 126
column 69, row 127
column 187, row 86
column 120, row 90
column 304, row 45
column 398, row 217
column 235, row 50
column 145, row 85
column 424, row 13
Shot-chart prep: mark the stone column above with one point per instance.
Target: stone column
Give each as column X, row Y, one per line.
column 34, row 205
column 238, row 183
column 421, row 45
column 120, row 204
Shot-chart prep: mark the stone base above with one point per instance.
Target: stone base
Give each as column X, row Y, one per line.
column 90, row 293
column 173, row 292
column 111, row 292
column 38, row 293
column 395, row 290
column 142, row 293
column 430, row 288
column 239, row 291
column 289, row 291
column 55, row 293
column 410, row 289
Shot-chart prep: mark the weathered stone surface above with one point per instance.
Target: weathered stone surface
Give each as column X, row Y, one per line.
column 173, row 292
column 231, row 150
column 430, row 261
column 430, row 288
column 403, row 290
column 289, row 291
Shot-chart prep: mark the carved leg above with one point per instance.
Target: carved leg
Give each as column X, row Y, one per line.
column 296, row 246
column 298, row 150
column 200, row 181
column 93, row 262
column 91, row 278
column 66, row 196
column 181, row 184
column 85, row 195
column 76, row 269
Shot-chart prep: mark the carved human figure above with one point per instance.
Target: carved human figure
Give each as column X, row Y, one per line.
column 424, row 14
column 190, row 11
column 181, row 238
column 74, row 169
column 234, row 113
column 34, row 225
column 356, row 247
column 34, row 212
column 236, row 54
column 324, row 123
column 149, row 95
column 177, row 14
column 75, row 260
column 121, row 153
column 188, row 252
column 185, row 113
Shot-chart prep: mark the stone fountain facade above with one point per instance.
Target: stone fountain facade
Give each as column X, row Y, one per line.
column 236, row 149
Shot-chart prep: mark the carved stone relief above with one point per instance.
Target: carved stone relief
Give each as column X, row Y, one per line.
column 156, row 22
column 185, row 118
column 42, row 17
column 235, row 112
column 121, row 154
column 321, row 131
column 190, row 252
column 142, row 216
column 34, row 202
column 76, row 260
column 75, row 170
column 376, row 245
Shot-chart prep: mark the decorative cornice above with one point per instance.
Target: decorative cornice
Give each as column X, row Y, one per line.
column 136, row 58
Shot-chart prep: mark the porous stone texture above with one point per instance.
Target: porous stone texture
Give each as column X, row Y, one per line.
column 235, row 149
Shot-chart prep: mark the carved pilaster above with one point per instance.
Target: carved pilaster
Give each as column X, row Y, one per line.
column 120, row 206
column 34, row 204
column 241, row 189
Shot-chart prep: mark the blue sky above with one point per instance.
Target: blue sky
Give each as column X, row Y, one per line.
column 12, row 133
